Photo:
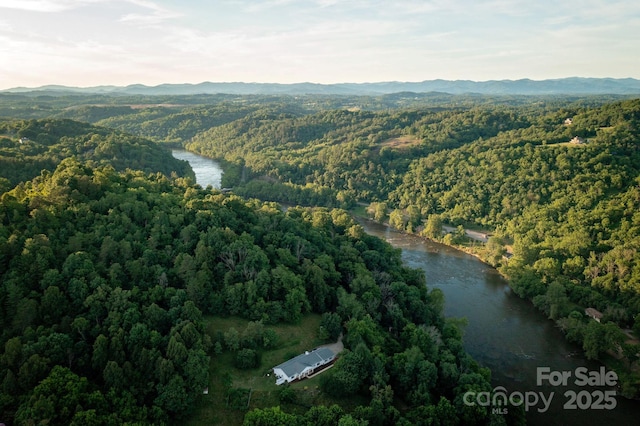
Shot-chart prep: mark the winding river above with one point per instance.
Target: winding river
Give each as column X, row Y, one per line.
column 208, row 172
column 504, row 333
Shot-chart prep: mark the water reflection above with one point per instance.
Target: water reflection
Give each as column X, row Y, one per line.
column 208, row 172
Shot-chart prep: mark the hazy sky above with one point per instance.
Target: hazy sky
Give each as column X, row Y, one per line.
column 95, row 42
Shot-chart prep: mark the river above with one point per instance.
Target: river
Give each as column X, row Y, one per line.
column 504, row 333
column 208, row 172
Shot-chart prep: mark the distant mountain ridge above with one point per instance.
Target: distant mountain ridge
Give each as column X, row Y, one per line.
column 569, row 86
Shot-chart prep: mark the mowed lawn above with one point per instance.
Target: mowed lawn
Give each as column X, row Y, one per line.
column 293, row 340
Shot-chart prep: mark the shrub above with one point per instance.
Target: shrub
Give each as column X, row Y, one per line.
column 287, row 395
column 247, row 359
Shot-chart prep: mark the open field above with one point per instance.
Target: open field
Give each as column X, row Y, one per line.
column 567, row 144
column 401, row 142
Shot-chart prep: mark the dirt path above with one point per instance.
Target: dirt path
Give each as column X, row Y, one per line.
column 336, row 347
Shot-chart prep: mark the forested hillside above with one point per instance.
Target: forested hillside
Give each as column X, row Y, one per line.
column 29, row 146
column 106, row 276
column 566, row 211
column 163, row 123
column 176, row 118
column 351, row 154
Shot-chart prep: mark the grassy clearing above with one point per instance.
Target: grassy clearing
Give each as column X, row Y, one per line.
column 401, row 142
column 566, row 144
column 293, row 340
column 359, row 211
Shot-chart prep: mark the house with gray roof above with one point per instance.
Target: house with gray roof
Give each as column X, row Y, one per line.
column 304, row 365
column 594, row 313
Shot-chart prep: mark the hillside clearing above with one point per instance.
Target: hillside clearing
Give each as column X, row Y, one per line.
column 401, row 142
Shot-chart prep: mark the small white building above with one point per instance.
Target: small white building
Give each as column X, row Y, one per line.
column 303, row 365
column 578, row 140
column 593, row 313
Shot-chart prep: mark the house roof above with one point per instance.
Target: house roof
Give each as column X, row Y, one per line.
column 578, row 140
column 593, row 313
column 298, row 364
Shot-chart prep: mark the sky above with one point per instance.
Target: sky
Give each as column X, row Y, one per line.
column 119, row 42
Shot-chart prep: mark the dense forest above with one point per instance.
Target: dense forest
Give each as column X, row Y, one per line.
column 29, row 146
column 110, row 252
column 555, row 184
column 106, row 276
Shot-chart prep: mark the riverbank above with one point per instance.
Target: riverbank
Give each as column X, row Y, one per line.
column 627, row 371
column 479, row 236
